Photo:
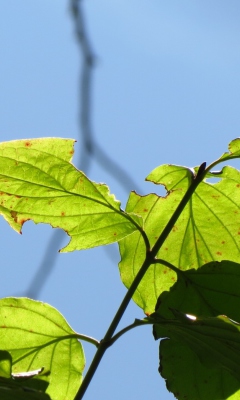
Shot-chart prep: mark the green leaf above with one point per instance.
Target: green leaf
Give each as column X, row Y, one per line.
column 207, row 230
column 10, row 390
column 36, row 335
column 5, row 364
column 21, row 394
column 38, row 182
column 210, row 291
column 16, row 390
column 198, row 352
column 234, row 151
column 188, row 379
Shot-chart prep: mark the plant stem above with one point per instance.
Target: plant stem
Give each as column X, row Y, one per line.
column 167, row 264
column 150, row 256
column 135, row 324
column 88, row 339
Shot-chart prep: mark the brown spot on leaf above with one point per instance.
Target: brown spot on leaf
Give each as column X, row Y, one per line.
column 238, row 185
column 28, row 143
column 22, row 221
column 63, row 213
column 14, row 215
column 145, row 210
column 223, row 242
column 115, row 234
column 219, row 253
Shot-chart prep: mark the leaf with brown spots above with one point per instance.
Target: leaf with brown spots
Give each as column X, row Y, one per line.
column 36, row 335
column 39, row 183
column 207, row 230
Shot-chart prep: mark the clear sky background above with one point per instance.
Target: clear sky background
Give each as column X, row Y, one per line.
column 166, row 89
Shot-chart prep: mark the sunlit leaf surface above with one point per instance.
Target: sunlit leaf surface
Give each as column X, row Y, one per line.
column 207, row 230
column 38, row 182
column 37, row 336
column 5, row 364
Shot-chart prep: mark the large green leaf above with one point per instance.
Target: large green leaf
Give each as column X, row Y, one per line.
column 210, row 291
column 188, row 379
column 200, row 358
column 36, row 335
column 38, row 182
column 207, row 230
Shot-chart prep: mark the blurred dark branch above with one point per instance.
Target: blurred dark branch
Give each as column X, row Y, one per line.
column 90, row 149
column 46, row 265
column 90, row 146
column 88, row 62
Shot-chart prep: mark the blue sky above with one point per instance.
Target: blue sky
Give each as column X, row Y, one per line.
column 166, row 89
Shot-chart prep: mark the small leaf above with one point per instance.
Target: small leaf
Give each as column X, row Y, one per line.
column 38, row 182
column 191, row 243
column 36, row 335
column 234, row 151
column 188, row 379
column 200, row 360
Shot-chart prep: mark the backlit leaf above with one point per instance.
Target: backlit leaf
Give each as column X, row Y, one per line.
column 38, row 182
column 234, row 150
column 200, row 358
column 37, row 336
column 188, row 379
column 207, row 230
column 5, row 364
